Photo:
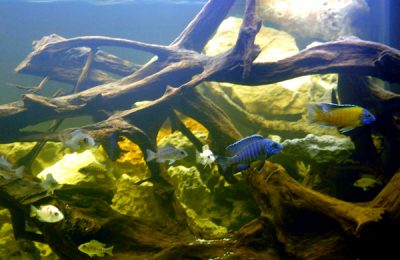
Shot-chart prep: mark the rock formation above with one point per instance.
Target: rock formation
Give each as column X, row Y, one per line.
column 295, row 221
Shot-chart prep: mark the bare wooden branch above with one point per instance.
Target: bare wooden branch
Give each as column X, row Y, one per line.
column 346, row 56
column 196, row 35
column 312, row 225
column 301, row 222
column 65, row 65
column 98, row 41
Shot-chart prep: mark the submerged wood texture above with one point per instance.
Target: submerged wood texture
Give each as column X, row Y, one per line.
column 311, row 225
column 297, row 222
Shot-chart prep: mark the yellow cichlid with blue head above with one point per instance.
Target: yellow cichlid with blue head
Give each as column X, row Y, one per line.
column 345, row 117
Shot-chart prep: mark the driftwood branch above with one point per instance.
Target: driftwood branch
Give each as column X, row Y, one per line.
column 346, row 56
column 295, row 221
column 311, row 225
column 65, row 65
column 152, row 87
column 196, row 35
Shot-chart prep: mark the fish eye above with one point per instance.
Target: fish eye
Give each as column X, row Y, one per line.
column 85, row 140
column 56, row 214
column 274, row 145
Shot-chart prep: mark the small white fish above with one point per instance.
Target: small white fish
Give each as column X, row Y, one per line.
column 50, row 184
column 47, row 213
column 95, row 248
column 166, row 153
column 77, row 140
column 7, row 170
column 206, row 157
column 4, row 163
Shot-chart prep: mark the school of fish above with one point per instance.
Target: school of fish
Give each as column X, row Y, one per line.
column 244, row 152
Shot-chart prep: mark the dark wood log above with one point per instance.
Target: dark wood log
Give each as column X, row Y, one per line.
column 311, row 225
column 353, row 89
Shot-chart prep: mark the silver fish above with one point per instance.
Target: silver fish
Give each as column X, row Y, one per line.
column 78, row 140
column 46, row 213
column 166, row 153
column 50, row 184
column 8, row 172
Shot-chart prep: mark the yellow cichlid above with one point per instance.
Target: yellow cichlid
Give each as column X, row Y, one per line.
column 344, row 117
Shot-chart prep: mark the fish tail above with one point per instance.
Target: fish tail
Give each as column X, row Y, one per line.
column 150, row 155
column 19, row 172
column 198, row 159
column 315, row 113
column 109, row 250
column 224, row 163
column 33, row 211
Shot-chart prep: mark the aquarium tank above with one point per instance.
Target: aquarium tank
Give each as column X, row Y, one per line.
column 199, row 129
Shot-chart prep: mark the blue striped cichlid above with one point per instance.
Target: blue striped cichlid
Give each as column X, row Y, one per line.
column 247, row 150
column 345, row 117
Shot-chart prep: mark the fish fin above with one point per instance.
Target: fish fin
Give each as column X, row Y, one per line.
column 365, row 189
column 166, row 148
column 19, row 172
column 33, row 211
column 315, row 113
column 150, row 155
column 326, row 106
column 311, row 113
column 159, row 160
column 72, row 145
column 242, row 143
column 260, row 165
column 242, row 167
column 109, row 250
column 198, row 159
column 171, row 162
column 205, row 147
column 76, row 132
column 345, row 130
column 224, row 163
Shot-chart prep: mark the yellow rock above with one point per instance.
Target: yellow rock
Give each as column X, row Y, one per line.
column 290, row 97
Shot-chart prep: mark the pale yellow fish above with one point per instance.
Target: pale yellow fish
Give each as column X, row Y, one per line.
column 95, row 248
